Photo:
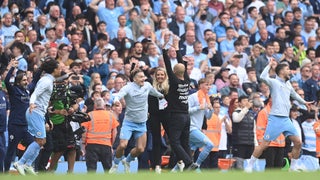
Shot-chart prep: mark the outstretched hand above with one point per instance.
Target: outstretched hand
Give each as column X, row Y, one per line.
column 309, row 104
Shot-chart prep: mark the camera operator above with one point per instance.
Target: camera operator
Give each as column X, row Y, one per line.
column 63, row 104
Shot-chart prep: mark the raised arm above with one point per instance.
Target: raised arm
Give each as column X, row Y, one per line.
column 166, row 60
column 265, row 73
column 36, row 77
column 10, row 68
column 128, row 7
column 94, row 5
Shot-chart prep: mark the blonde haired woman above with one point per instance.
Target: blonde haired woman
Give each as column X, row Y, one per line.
column 95, row 79
column 158, row 117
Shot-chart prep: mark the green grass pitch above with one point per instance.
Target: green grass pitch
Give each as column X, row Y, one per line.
column 205, row 175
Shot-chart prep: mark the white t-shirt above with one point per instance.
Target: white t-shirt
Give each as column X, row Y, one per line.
column 223, row 137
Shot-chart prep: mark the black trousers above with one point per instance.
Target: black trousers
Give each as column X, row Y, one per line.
column 157, row 140
column 179, row 129
column 242, row 151
column 274, row 157
column 16, row 134
column 98, row 152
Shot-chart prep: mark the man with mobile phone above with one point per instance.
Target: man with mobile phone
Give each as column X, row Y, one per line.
column 299, row 49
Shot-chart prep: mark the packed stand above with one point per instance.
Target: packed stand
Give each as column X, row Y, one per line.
column 189, row 80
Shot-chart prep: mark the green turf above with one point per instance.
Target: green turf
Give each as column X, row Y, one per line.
column 237, row 175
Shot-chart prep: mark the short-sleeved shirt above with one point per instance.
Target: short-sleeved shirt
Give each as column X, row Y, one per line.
column 110, row 16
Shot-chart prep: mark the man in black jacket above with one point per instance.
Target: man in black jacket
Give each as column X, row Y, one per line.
column 179, row 119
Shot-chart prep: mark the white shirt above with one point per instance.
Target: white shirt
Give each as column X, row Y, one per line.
column 196, row 74
column 240, row 71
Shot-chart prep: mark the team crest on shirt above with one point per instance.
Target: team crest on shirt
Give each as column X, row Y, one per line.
column 11, row 137
column 267, row 136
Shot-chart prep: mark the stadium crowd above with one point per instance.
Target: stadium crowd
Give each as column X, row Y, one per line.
column 203, row 60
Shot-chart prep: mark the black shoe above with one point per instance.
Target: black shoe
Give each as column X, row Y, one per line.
column 193, row 167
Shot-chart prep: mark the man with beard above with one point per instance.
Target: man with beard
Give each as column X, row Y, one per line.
column 19, row 95
column 288, row 57
column 38, row 105
column 278, row 120
column 234, row 85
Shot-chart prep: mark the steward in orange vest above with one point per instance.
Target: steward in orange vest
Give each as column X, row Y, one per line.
column 100, row 134
column 213, row 133
column 275, row 152
column 316, row 128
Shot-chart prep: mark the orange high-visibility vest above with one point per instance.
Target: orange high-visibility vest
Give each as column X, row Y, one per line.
column 213, row 131
column 262, row 121
column 316, row 128
column 99, row 129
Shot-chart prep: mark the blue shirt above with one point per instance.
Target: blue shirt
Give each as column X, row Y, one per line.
column 281, row 91
column 42, row 93
column 22, row 64
column 197, row 114
column 250, row 23
column 227, row 46
column 110, row 16
column 136, row 98
column 8, row 33
column 200, row 28
column 220, row 30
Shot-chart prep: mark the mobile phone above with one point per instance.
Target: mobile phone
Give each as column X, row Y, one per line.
column 75, row 77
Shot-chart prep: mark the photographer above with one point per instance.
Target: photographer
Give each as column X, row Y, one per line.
column 63, row 104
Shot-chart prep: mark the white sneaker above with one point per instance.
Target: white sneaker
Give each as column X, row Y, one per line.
column 158, row 170
column 181, row 166
column 30, row 170
column 297, row 168
column 248, row 169
column 126, row 165
column 19, row 168
column 178, row 167
column 113, row 169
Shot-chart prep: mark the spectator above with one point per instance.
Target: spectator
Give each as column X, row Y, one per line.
column 263, row 60
column 142, row 20
column 110, row 12
column 233, row 86
column 243, row 129
column 222, row 79
column 311, row 86
column 177, row 25
column 250, row 85
column 100, row 67
column 226, row 46
column 298, row 49
column 221, row 28
column 235, row 68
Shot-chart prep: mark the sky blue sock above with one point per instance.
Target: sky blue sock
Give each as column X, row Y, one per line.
column 117, row 160
column 31, row 153
column 130, row 158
